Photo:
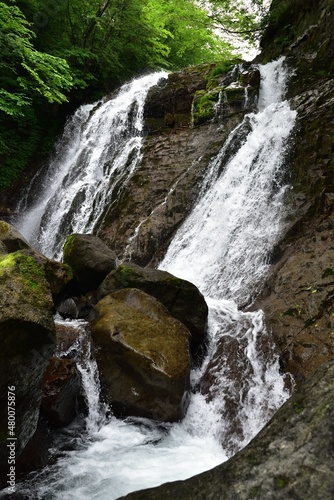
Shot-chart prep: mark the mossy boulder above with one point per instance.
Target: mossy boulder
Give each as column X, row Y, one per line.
column 58, row 275
column 27, row 336
column 11, row 239
column 143, row 356
column 182, row 299
column 90, row 258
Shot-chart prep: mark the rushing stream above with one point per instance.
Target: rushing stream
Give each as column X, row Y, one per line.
column 222, row 247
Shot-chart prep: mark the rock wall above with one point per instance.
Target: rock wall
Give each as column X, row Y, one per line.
column 298, row 298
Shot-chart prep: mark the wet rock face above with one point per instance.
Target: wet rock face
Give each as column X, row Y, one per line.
column 61, row 386
column 298, row 298
column 27, row 341
column 291, row 457
column 175, row 156
column 299, row 304
column 182, row 299
column 142, row 355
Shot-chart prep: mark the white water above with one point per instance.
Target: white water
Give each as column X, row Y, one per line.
column 222, row 247
column 98, row 153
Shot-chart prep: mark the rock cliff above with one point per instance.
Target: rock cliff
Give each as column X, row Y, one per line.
column 298, row 298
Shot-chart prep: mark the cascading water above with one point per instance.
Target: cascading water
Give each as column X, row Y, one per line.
column 96, row 156
column 223, row 248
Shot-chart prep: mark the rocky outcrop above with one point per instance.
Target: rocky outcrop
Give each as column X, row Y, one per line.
column 90, row 259
column 142, row 355
column 175, row 155
column 290, row 458
column 182, row 299
column 298, row 297
column 27, row 341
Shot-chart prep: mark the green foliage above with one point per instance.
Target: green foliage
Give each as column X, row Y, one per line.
column 28, row 78
column 204, row 106
column 26, row 73
column 18, row 141
column 243, row 19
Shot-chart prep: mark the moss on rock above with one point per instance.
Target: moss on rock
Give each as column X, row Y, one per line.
column 27, row 335
column 143, row 356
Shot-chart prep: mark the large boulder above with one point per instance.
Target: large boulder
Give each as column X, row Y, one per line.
column 27, row 336
column 90, row 259
column 182, row 299
column 292, row 457
column 142, row 355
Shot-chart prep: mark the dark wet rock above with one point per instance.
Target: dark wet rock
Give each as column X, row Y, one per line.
column 68, row 337
column 27, row 341
column 68, row 308
column 143, row 356
column 60, row 278
column 61, row 386
column 291, row 457
column 231, row 372
column 90, row 259
column 36, row 453
column 182, row 299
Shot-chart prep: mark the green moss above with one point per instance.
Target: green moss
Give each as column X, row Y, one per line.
column 298, row 406
column 125, row 270
column 281, row 482
column 68, row 245
column 27, row 276
column 204, row 106
column 327, row 272
column 6, row 261
column 253, row 492
column 174, row 281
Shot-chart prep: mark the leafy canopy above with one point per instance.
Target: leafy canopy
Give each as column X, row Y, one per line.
column 27, row 74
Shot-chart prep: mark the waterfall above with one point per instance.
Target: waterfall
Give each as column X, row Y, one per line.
column 96, row 156
column 223, row 247
column 81, row 351
column 228, row 236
